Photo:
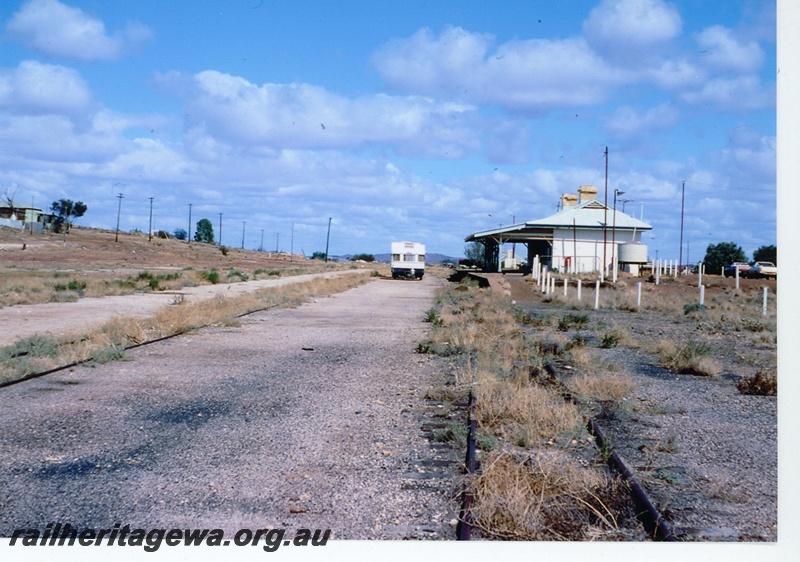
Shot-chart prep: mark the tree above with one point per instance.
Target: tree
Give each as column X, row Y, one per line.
column 180, row 234
column 66, row 213
column 318, row 256
column 766, row 253
column 474, row 253
column 363, row 257
column 205, row 231
column 721, row 255
column 8, row 199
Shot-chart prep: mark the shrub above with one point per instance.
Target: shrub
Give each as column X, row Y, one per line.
column 760, row 384
column 570, row 320
column 35, row 346
column 108, row 354
column 74, row 285
column 237, row 273
column 693, row 308
column 210, row 275
column 690, row 358
column 613, row 337
column 432, row 316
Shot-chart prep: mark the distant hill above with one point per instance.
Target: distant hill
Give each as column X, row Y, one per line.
column 387, row 257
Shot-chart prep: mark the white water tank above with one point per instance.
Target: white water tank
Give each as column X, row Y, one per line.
column 633, row 252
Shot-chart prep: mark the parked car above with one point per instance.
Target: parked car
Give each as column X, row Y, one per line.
column 763, row 269
column 742, row 266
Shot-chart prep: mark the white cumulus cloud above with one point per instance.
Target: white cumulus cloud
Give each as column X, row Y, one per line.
column 627, row 28
column 56, row 29
column 303, row 116
column 722, row 51
column 41, row 88
column 522, row 74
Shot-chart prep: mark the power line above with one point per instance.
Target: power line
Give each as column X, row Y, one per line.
column 730, row 186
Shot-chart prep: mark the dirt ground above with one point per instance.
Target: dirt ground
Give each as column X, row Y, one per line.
column 706, row 454
column 94, row 252
column 85, row 249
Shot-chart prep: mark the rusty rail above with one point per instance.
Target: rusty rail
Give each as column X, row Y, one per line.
column 647, row 513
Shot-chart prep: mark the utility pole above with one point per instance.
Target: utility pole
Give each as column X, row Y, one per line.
column 605, row 214
column 277, row 241
column 614, row 253
column 328, row 239
column 119, row 211
column 220, row 229
column 261, row 247
column 189, row 234
column 150, row 229
column 680, row 252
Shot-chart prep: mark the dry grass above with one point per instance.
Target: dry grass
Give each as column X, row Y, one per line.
column 523, row 412
column 605, row 386
column 34, row 286
column 690, row 358
column 107, row 343
column 544, row 495
column 548, row 496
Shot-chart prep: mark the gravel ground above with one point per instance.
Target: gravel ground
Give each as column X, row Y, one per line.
column 706, row 454
column 311, row 417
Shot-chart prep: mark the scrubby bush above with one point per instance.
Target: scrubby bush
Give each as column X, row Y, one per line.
column 761, row 384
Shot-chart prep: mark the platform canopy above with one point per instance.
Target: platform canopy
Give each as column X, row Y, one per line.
column 572, row 239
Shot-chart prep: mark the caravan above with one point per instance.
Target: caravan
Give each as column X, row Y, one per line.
column 408, row 260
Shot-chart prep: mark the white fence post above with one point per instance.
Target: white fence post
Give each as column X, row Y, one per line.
column 658, row 272
column 702, row 294
column 764, row 306
column 700, row 274
column 565, row 286
column 737, row 278
column 597, row 295
column 579, row 290
column 638, row 294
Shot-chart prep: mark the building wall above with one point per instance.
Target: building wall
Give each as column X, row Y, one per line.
column 581, row 251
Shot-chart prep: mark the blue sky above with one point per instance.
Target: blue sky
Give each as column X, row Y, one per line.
column 415, row 120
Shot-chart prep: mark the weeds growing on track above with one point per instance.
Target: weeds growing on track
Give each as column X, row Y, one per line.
column 532, row 485
column 543, row 496
column 37, row 354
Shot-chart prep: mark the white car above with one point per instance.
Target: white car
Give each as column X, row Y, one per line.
column 763, row 269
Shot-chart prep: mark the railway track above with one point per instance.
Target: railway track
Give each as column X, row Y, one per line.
column 648, row 515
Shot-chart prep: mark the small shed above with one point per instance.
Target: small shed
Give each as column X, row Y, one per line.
column 23, row 217
column 583, row 236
